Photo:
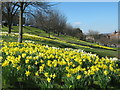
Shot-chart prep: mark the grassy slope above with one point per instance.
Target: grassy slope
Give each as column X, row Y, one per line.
column 35, row 31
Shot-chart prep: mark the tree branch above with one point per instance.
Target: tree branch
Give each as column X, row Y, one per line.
column 14, row 7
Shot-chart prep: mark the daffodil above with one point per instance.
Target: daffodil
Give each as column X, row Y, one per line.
column 27, row 73
column 79, row 77
column 19, row 67
column 5, row 63
column 41, row 61
column 27, row 61
column 68, row 75
column 36, row 74
column 54, row 75
column 51, row 75
column 105, row 72
column 46, row 74
column 29, row 67
column 23, row 55
column 48, row 79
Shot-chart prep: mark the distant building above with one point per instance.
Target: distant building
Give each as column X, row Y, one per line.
column 90, row 38
column 114, row 35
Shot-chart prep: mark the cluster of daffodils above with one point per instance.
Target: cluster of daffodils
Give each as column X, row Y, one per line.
column 35, row 37
column 52, row 40
column 56, row 64
column 97, row 45
column 104, row 47
column 29, row 41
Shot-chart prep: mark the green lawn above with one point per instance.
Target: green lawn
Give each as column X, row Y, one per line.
column 66, row 41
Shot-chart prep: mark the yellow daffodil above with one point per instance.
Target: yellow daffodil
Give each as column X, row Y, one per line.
column 105, row 72
column 36, row 74
column 27, row 73
column 27, row 61
column 79, row 77
column 29, row 67
column 51, row 75
column 23, row 55
column 5, row 63
column 41, row 61
column 48, row 79
column 68, row 75
column 54, row 75
column 46, row 74
column 19, row 67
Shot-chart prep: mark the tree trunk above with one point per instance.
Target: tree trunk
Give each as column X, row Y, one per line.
column 58, row 34
column 20, row 23
column 49, row 34
column 9, row 23
column 1, row 25
column 9, row 26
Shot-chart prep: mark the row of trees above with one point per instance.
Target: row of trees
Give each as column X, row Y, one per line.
column 41, row 14
column 55, row 22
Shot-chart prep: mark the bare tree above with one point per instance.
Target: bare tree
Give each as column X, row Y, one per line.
column 52, row 21
column 75, row 32
column 9, row 9
column 23, row 5
column 46, row 21
column 60, row 22
column 68, row 29
column 21, row 21
column 94, row 34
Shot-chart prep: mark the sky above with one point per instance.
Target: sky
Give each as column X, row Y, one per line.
column 97, row 16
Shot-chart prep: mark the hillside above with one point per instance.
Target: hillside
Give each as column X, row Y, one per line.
column 41, row 37
column 56, row 62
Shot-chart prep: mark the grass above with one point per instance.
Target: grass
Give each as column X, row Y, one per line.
column 27, row 29
column 80, row 42
column 63, row 42
column 66, row 41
